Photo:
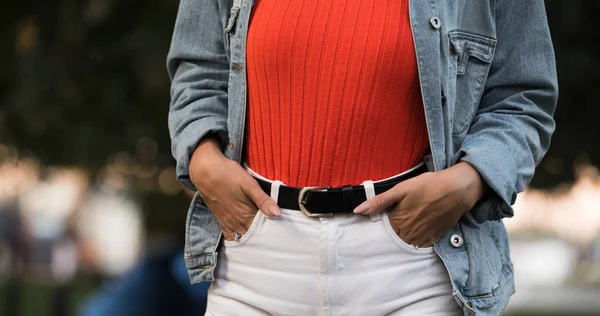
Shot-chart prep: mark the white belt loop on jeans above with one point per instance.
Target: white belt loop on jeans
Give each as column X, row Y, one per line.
column 370, row 192
column 275, row 184
column 275, row 189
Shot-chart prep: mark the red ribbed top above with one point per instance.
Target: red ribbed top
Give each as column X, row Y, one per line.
column 333, row 92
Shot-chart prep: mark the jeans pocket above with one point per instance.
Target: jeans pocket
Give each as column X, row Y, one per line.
column 257, row 222
column 385, row 220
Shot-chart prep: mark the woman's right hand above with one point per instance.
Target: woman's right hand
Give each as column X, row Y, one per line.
column 228, row 190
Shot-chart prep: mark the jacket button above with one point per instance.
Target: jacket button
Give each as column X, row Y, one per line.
column 231, row 145
column 435, row 22
column 456, row 240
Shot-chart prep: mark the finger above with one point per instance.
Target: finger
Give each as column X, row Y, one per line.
column 232, row 225
column 422, row 242
column 395, row 227
column 247, row 217
column 227, row 234
column 230, row 228
column 381, row 201
column 407, row 239
column 431, row 242
column 264, row 202
column 427, row 245
column 241, row 228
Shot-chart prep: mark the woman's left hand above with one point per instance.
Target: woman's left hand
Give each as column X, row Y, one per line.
column 430, row 204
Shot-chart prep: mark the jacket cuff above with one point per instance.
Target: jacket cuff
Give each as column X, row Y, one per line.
column 496, row 166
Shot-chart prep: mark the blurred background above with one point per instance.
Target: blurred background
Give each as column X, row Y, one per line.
column 92, row 218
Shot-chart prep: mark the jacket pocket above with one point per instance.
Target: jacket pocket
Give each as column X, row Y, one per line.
column 469, row 61
column 485, row 269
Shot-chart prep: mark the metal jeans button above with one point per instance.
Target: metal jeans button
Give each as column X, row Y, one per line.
column 456, row 240
column 435, row 22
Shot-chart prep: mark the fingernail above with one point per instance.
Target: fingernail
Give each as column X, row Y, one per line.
column 362, row 208
column 274, row 210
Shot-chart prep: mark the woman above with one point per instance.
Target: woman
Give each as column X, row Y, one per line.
column 357, row 157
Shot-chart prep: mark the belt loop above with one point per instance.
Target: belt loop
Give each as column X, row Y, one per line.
column 275, row 189
column 369, row 193
column 429, row 163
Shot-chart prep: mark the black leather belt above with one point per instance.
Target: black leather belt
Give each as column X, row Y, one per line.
column 326, row 201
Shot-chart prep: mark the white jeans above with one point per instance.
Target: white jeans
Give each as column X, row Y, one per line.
column 345, row 265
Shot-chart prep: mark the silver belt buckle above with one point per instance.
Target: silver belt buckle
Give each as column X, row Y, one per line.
column 302, row 203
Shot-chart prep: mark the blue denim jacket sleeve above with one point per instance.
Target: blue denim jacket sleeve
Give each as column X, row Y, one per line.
column 514, row 122
column 199, row 70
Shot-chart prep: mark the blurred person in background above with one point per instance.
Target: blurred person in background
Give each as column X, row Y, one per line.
column 292, row 118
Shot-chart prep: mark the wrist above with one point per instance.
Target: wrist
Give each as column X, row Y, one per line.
column 475, row 187
column 205, row 155
column 208, row 145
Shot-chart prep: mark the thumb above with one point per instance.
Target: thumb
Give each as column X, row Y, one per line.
column 264, row 202
column 381, row 201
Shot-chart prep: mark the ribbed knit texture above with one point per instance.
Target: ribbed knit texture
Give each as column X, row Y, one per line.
column 333, row 92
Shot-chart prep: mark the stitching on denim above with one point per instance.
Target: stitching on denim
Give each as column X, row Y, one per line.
column 191, row 222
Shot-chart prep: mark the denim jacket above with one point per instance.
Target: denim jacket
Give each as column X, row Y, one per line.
column 488, row 81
